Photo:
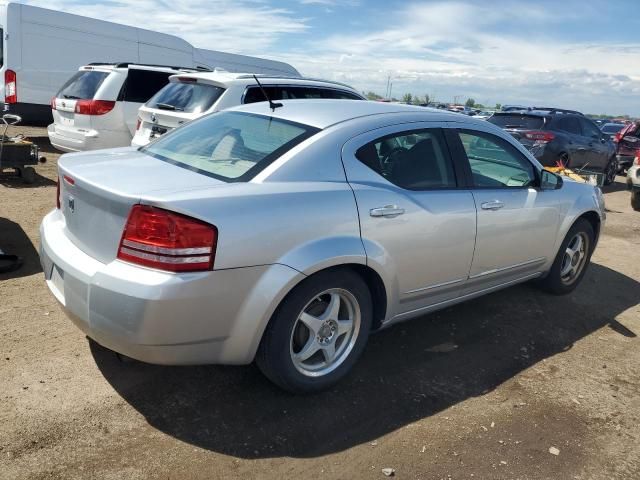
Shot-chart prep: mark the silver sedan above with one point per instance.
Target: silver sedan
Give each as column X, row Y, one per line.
column 286, row 236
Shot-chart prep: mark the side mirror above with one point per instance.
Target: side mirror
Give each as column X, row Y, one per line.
column 550, row 181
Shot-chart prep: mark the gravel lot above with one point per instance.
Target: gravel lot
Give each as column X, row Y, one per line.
column 482, row 390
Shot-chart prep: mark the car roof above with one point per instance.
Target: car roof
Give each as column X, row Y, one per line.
column 322, row 113
column 228, row 78
column 136, row 66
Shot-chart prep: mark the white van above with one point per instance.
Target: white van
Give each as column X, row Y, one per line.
column 40, row 49
column 97, row 107
column 192, row 95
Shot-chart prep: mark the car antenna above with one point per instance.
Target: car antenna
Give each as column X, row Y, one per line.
column 272, row 104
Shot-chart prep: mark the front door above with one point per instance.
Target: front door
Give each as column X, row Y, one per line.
column 517, row 222
column 417, row 225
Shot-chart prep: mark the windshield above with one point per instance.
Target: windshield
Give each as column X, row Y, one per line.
column 83, row 85
column 186, row 97
column 514, row 120
column 230, row 146
column 612, row 128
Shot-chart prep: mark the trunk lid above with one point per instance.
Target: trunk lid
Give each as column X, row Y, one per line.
column 97, row 190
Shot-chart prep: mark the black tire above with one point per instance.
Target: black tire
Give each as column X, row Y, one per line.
column 28, row 175
column 635, row 201
column 553, row 282
column 274, row 357
column 610, row 171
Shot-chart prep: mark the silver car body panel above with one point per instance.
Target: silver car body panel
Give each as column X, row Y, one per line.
column 307, row 211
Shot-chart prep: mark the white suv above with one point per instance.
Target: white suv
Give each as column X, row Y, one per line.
column 189, row 96
column 97, row 107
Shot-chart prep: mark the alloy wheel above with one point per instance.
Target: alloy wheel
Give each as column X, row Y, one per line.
column 575, row 258
column 325, row 332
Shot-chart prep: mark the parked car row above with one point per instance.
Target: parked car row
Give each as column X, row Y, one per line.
column 561, row 137
column 123, row 104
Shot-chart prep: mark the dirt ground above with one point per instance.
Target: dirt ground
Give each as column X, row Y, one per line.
column 482, row 390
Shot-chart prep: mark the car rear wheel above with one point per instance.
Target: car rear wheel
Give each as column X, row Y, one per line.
column 318, row 332
column 635, row 201
column 572, row 259
column 610, row 171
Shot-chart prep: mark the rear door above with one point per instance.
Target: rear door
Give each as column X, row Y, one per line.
column 83, row 85
column 516, row 222
column 138, row 88
column 416, row 222
column 597, row 147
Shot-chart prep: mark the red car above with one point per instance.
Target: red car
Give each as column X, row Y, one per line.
column 627, row 141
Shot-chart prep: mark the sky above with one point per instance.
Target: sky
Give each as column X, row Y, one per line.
column 581, row 55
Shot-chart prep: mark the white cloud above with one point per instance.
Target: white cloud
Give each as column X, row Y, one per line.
column 507, row 52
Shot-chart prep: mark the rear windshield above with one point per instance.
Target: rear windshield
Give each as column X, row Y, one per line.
column 609, row 128
column 513, row 120
column 230, row 146
column 186, row 97
column 83, row 85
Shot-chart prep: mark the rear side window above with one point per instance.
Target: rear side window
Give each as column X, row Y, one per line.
column 230, row 146
column 83, row 85
column 519, row 121
column 186, row 97
column 254, row 94
column 141, row 85
column 413, row 160
column 569, row 125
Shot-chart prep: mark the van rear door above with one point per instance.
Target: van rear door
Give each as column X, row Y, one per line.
column 82, row 86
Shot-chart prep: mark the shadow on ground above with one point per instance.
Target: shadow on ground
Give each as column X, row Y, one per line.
column 235, row 411
column 14, row 241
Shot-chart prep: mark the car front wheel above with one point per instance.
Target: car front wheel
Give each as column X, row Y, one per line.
column 572, row 259
column 318, row 332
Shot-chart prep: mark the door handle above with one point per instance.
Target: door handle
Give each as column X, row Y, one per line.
column 386, row 211
column 492, row 205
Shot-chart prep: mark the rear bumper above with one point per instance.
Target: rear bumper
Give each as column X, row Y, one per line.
column 158, row 317
column 77, row 140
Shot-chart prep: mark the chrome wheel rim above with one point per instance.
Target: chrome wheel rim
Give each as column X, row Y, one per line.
column 325, row 332
column 574, row 259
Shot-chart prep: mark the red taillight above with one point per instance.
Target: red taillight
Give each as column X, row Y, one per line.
column 636, row 160
column 187, row 79
column 157, row 238
column 539, row 136
column 617, row 137
column 53, row 103
column 58, row 194
column 10, row 87
column 94, row 107
column 138, row 123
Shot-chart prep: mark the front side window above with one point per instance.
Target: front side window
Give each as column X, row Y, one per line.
column 83, row 85
column 589, row 129
column 229, row 146
column 495, row 163
column 414, row 160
